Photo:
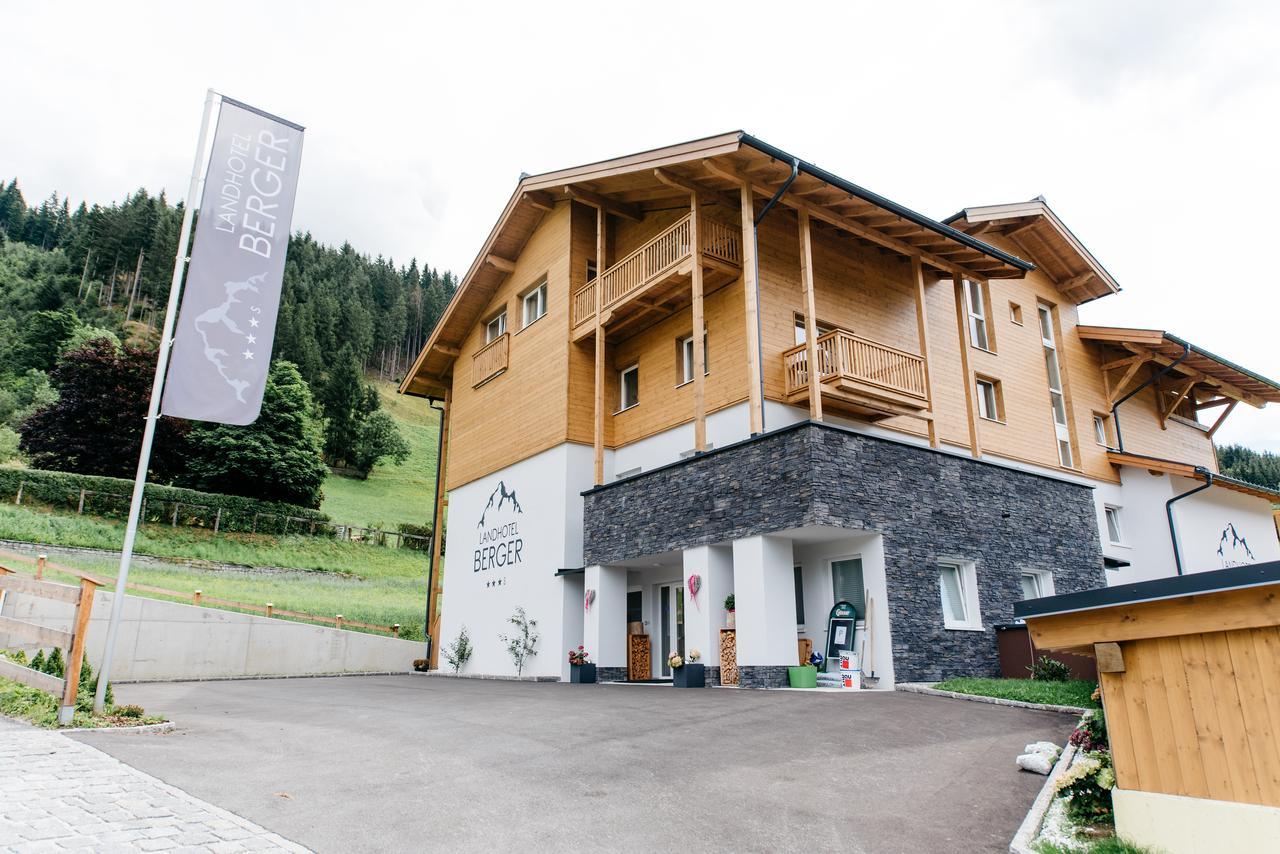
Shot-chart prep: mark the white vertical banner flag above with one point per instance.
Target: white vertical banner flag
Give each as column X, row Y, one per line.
column 226, row 327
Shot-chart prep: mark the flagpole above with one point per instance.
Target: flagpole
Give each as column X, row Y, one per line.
column 153, row 409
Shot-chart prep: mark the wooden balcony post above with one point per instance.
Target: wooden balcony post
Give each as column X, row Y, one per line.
column 599, row 356
column 699, row 325
column 810, row 323
column 971, row 404
column 750, row 287
column 922, row 330
column 433, row 596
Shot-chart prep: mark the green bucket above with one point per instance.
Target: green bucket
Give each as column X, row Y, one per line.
column 804, row 676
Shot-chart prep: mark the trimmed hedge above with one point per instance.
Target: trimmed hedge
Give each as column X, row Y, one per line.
column 109, row 497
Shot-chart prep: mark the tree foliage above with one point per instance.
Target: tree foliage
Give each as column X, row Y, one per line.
column 1259, row 467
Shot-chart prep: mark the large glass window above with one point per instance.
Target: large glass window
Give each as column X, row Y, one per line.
column 846, row 582
column 629, row 387
column 1057, row 401
column 958, row 586
column 975, row 304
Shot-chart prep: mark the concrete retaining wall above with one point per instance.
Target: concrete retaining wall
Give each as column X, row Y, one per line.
column 169, row 641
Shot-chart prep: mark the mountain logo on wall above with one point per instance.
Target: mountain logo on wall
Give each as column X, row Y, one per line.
column 498, row 499
column 1230, row 546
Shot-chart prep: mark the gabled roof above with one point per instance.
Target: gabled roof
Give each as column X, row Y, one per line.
column 716, row 166
column 1036, row 229
column 1141, row 461
column 1217, row 373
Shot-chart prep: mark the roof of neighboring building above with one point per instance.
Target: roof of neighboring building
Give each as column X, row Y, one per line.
column 1233, row 578
column 1141, row 461
column 716, row 166
column 1217, row 372
column 1037, row 230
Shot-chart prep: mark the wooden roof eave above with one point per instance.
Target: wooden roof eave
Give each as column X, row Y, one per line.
column 1192, row 472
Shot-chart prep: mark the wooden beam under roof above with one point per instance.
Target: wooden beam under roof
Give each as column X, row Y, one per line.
column 1183, row 368
column 506, row 265
column 595, row 200
column 540, row 200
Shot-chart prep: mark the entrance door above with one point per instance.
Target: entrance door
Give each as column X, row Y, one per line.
column 671, row 631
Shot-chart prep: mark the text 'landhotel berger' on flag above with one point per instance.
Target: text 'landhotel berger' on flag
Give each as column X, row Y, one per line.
column 222, row 347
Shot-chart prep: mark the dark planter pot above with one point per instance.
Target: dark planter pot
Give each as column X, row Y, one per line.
column 690, row 676
column 583, row 674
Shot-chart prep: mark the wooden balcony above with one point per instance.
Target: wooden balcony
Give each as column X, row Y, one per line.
column 490, row 360
column 652, row 282
column 859, row 376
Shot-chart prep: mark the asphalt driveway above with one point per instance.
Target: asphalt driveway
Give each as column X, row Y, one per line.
column 398, row 763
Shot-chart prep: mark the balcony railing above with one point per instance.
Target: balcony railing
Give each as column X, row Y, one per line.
column 654, row 260
column 490, row 360
column 845, row 356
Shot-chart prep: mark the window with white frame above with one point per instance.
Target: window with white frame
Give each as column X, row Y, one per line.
column 799, row 571
column 686, row 358
column 628, row 387
column 1101, row 433
column 1015, row 313
column 535, row 304
column 975, row 305
column 990, row 402
column 1036, row 583
column 1115, row 533
column 1057, row 400
column 495, row 328
column 800, row 330
column 958, row 582
column 591, row 270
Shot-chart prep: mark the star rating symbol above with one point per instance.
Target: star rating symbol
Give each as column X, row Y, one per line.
column 248, row 355
column 253, row 321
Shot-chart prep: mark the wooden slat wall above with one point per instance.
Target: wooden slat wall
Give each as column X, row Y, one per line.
column 1199, row 715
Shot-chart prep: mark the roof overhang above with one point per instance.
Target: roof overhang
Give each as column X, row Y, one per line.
column 1187, row 470
column 1037, row 230
column 716, row 168
column 1212, row 373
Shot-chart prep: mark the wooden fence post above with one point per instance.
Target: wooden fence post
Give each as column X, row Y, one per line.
column 271, row 609
column 176, row 505
column 255, row 523
column 41, row 560
column 395, row 630
column 338, row 621
column 21, row 485
column 80, row 509
column 84, row 608
column 196, row 597
column 217, row 520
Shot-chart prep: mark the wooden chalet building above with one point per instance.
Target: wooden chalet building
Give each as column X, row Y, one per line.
column 718, row 360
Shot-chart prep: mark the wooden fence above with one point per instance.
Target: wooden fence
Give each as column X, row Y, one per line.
column 197, row 597
column 72, row 641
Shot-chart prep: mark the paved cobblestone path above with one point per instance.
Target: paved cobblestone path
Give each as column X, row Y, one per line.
column 57, row 794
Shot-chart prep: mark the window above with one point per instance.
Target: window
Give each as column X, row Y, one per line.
column 1057, row 400
column 535, row 304
column 591, row 270
column 846, row 584
column 1114, row 531
column 686, row 359
column 799, row 597
column 1101, row 430
column 495, row 328
column 1036, row 583
column 958, row 583
column 990, row 399
column 975, row 304
column 822, row 328
column 1015, row 313
column 629, row 387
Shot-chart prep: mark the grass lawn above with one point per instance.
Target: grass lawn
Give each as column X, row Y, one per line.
column 41, row 709
column 1073, row 693
column 392, row 494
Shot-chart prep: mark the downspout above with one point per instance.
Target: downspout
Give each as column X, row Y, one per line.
column 435, row 527
column 755, row 257
column 1115, row 407
column 1168, row 510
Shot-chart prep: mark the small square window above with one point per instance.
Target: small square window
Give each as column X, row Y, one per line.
column 629, row 387
column 1036, row 583
column 1015, row 313
column 958, row 584
column 1115, row 534
column 535, row 304
column 990, row 399
column 495, row 328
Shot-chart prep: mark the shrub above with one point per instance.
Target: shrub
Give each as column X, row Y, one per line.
column 1047, row 669
column 424, row 531
column 130, row 711
column 53, row 663
column 729, row 602
column 37, row 661
column 522, row 645
column 17, row 656
column 458, row 653
column 1087, row 785
column 1091, row 733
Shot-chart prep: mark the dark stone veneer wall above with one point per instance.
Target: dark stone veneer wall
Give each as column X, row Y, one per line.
column 927, row 504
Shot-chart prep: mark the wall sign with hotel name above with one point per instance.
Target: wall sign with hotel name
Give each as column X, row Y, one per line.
column 499, row 542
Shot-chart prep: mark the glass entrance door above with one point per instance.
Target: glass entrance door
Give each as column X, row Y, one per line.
column 671, row 634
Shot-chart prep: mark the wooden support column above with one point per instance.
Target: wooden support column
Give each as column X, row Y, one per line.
column 437, row 540
column 599, row 358
column 750, row 286
column 922, row 332
column 813, row 369
column 1222, row 418
column 971, row 404
column 699, row 326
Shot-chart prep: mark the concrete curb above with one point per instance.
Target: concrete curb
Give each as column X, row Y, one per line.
column 927, row 688
column 1030, row 826
column 487, row 676
column 263, row 676
column 163, row 726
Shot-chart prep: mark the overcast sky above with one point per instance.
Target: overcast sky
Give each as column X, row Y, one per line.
column 1150, row 127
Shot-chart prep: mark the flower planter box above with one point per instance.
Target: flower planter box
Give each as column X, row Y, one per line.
column 803, row 676
column 690, row 676
column 582, row 674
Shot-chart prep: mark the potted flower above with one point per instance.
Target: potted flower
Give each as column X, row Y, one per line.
column 805, row 675
column 728, row 606
column 687, row 671
column 581, row 670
